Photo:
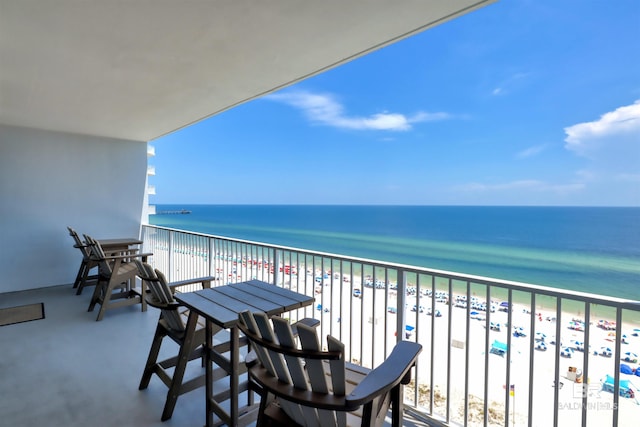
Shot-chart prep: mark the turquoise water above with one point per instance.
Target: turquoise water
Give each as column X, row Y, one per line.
column 588, row 249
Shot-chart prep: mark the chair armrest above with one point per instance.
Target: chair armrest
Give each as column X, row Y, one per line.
column 156, row 303
column 389, row 374
column 206, row 282
column 128, row 255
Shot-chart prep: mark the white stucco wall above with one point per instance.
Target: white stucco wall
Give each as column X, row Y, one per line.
column 51, row 180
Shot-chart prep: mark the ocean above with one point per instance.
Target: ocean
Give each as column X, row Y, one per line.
column 590, row 249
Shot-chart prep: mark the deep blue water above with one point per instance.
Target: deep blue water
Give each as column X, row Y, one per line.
column 588, row 249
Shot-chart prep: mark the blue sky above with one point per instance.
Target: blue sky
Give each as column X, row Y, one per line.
column 519, row 103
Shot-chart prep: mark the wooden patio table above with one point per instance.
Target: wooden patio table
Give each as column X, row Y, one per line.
column 220, row 306
column 118, row 244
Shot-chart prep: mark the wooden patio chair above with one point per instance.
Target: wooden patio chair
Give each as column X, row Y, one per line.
column 306, row 386
column 116, row 281
column 83, row 278
column 173, row 323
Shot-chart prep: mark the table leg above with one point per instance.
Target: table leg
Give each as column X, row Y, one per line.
column 209, row 372
column 234, row 375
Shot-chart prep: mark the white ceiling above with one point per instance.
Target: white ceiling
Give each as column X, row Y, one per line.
column 139, row 69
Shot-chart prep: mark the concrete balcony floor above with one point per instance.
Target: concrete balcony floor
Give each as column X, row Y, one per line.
column 69, row 370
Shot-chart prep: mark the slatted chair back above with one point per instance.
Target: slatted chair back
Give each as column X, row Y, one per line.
column 98, row 255
column 341, row 393
column 161, row 295
column 84, row 248
column 83, row 278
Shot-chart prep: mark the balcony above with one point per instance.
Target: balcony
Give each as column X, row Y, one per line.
column 72, row 370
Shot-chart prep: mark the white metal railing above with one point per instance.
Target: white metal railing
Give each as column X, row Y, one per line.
column 493, row 350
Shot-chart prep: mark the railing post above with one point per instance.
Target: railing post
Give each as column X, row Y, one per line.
column 170, row 260
column 276, row 266
column 401, row 314
column 212, row 254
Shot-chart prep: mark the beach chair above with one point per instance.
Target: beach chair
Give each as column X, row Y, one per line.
column 115, row 286
column 173, row 324
column 306, row 386
column 83, row 278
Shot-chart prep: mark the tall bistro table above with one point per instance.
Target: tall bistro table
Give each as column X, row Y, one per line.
column 220, row 306
column 118, row 244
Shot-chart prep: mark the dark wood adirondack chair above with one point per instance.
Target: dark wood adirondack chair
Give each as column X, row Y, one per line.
column 83, row 278
column 173, row 324
column 306, row 386
column 115, row 285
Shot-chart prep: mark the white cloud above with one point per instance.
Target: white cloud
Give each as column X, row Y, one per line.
column 531, row 151
column 324, row 109
column 614, row 139
column 611, row 148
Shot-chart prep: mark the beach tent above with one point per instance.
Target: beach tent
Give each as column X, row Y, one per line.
column 498, row 348
column 625, row 387
column 626, row 369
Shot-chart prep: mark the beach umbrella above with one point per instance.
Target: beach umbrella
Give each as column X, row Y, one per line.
column 606, row 351
column 409, row 331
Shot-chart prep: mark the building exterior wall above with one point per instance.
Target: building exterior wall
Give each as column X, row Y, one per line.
column 51, row 180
